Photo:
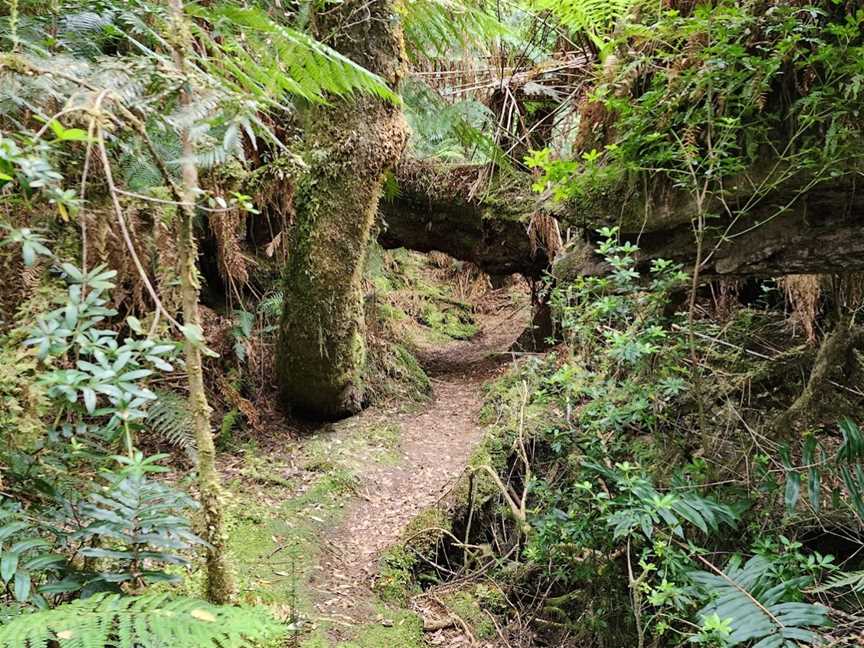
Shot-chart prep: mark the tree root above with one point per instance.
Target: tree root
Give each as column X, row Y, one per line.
column 820, row 393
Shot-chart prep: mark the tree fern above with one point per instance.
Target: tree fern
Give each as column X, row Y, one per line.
column 759, row 608
column 151, row 621
column 262, row 58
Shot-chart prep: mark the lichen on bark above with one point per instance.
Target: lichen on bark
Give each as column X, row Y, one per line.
column 351, row 143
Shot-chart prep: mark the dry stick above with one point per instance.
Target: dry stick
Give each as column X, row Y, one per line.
column 219, row 585
column 635, row 595
column 82, row 218
column 700, row 194
column 121, row 221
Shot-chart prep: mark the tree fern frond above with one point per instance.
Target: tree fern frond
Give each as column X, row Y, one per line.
column 594, row 18
column 262, row 58
column 150, row 621
column 169, row 419
column 449, row 27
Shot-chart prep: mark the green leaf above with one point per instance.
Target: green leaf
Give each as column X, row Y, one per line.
column 22, row 585
column 150, row 620
column 89, row 399
column 793, row 491
column 8, row 565
column 74, row 135
column 11, row 529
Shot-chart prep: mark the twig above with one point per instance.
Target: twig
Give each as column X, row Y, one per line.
column 121, row 221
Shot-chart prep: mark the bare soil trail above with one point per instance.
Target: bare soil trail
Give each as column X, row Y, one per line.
column 435, row 442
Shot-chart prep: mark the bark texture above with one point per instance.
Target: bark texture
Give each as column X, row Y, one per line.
column 352, row 143
column 791, row 231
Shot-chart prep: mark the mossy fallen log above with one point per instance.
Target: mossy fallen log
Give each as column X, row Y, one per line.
column 452, row 210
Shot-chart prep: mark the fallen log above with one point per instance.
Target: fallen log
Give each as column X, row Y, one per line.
column 445, row 209
column 796, row 229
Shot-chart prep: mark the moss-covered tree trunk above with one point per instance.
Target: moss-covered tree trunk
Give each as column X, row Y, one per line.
column 350, row 144
column 219, row 584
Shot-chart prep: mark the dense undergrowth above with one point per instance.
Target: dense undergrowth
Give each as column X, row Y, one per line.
column 674, row 472
column 623, row 513
column 729, row 102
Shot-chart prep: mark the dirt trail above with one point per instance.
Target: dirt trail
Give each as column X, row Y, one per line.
column 435, row 444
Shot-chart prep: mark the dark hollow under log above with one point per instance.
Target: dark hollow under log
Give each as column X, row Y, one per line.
column 435, row 211
column 788, row 232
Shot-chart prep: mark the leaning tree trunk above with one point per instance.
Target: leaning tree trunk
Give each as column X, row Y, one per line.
column 351, row 144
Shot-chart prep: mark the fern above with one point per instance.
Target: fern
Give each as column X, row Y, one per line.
column 457, row 131
column 759, row 608
column 259, row 57
column 594, row 18
column 151, row 621
column 444, row 27
column 271, row 306
column 169, row 419
column 854, row 581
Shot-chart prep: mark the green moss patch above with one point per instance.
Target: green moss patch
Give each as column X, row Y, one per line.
column 395, row 628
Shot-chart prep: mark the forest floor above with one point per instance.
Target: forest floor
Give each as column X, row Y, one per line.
column 310, row 520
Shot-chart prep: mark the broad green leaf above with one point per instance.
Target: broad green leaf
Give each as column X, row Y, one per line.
column 8, row 565
column 793, row 491
column 22, row 585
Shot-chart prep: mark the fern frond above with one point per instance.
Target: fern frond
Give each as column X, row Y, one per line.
column 271, row 306
column 267, row 60
column 852, row 580
column 449, row 27
column 169, row 419
column 458, row 131
column 594, row 18
column 151, row 621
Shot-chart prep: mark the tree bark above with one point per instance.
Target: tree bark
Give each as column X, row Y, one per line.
column 793, row 230
column 219, row 584
column 350, row 144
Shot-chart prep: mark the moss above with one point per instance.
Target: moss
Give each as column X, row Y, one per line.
column 455, row 324
column 274, row 531
column 396, row 582
column 396, row 628
column 365, row 442
column 394, row 373
column 469, row 608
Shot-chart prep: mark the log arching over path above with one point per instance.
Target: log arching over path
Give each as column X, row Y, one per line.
column 788, row 232
column 792, row 231
column 435, row 210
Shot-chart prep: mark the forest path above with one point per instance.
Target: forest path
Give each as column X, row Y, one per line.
column 435, row 441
